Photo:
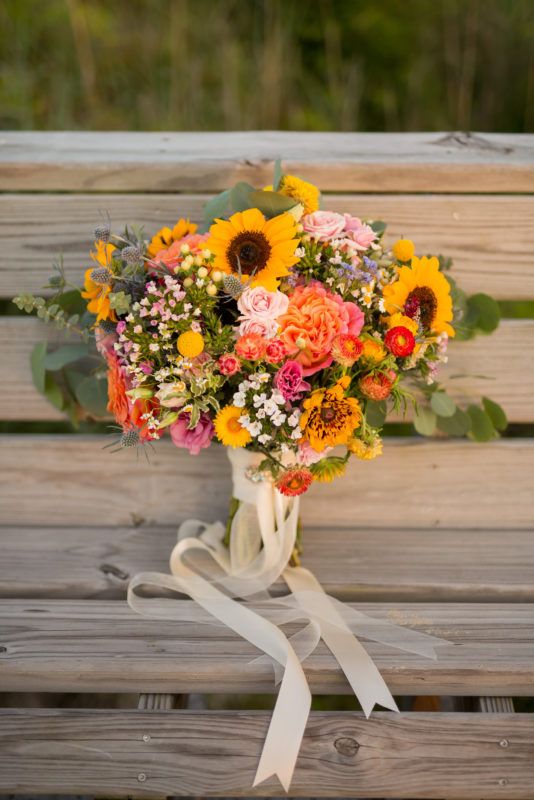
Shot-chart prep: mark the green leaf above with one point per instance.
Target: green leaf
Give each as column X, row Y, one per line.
column 240, row 196
column 483, row 312
column 375, row 413
column 72, row 302
column 277, row 174
column 53, row 392
column 496, row 413
column 65, row 355
column 378, row 226
column 482, row 429
column 442, row 404
column 457, row 425
column 119, row 302
column 271, row 203
column 92, row 394
column 424, row 421
column 216, row 207
column 37, row 359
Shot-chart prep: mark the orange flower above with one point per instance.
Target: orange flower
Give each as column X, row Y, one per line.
column 166, row 236
column 137, row 411
column 117, row 397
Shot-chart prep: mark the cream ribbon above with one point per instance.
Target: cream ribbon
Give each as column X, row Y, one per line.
column 263, row 537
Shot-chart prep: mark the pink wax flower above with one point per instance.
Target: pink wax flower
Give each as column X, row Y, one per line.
column 324, row 225
column 315, row 317
column 229, row 364
column 290, row 382
column 361, row 234
column 194, row 439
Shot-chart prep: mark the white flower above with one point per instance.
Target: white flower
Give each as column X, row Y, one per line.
column 259, row 399
column 254, row 428
column 294, row 419
column 239, row 399
column 261, row 413
column 270, row 407
column 278, row 419
column 265, row 438
column 278, row 397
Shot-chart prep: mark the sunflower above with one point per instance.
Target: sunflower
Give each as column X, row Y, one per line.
column 253, row 248
column 330, row 418
column 422, row 292
column 228, row 428
column 163, row 239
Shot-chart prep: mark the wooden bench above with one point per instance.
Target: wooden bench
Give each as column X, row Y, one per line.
column 95, row 698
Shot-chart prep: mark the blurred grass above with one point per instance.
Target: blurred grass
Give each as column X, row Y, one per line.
column 287, row 64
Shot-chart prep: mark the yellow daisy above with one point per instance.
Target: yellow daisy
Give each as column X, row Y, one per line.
column 330, row 418
column 422, row 292
column 254, row 248
column 301, row 191
column 228, row 428
column 163, row 239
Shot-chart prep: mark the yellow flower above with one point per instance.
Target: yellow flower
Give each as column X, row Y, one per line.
column 253, row 248
column 301, row 192
column 364, row 450
column 163, row 239
column 98, row 293
column 423, row 293
column 228, row 428
column 190, row 344
column 404, row 250
column 398, row 319
column 330, row 418
column 328, row 469
column 103, row 253
column 373, row 351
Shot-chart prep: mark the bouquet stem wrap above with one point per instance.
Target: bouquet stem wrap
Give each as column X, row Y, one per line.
column 263, row 536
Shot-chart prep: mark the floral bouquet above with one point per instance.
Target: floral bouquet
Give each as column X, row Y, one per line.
column 286, row 333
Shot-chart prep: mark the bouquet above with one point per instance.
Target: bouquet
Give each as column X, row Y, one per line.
column 288, row 334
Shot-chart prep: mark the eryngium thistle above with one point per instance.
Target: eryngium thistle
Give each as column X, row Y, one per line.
column 131, row 254
column 130, row 438
column 101, row 275
column 102, row 232
column 107, row 326
column 232, row 286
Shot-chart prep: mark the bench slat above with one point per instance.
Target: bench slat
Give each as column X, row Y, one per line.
column 472, row 229
column 84, row 646
column 494, row 367
column 423, row 565
column 143, row 753
column 400, row 162
column 416, row 484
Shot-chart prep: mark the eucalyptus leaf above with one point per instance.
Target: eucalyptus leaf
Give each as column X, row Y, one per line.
column 37, row 359
column 277, row 174
column 92, row 394
column 379, row 226
column 65, row 355
column 424, row 421
column 240, row 196
column 375, row 413
column 482, row 429
column 442, row 404
column 496, row 413
column 483, row 312
column 216, row 207
column 271, row 203
column 53, row 392
column 457, row 425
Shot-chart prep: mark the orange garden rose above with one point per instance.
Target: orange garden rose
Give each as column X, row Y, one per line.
column 117, row 397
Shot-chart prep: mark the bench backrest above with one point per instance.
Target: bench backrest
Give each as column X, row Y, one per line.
column 469, row 197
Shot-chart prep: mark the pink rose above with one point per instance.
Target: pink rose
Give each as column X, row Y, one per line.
column 306, row 455
column 362, row 235
column 194, row 439
column 324, row 225
column 275, row 351
column 290, row 382
column 258, row 303
column 229, row 364
column 263, row 327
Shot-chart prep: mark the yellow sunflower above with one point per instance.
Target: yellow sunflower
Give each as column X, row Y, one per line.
column 254, row 248
column 228, row 428
column 163, row 239
column 422, row 292
column 330, row 418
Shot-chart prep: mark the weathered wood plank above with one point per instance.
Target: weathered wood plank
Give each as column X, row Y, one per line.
column 417, row 483
column 472, row 229
column 423, row 565
column 142, row 753
column 494, row 367
column 117, row 161
column 80, row 646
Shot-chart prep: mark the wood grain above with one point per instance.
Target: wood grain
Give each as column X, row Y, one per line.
column 491, row 239
column 483, row 366
column 351, row 563
column 82, row 646
column 376, row 162
column 143, row 753
column 417, row 483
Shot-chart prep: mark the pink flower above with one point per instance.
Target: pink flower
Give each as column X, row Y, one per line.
column 194, row 439
column 290, row 382
column 173, row 256
column 258, row 303
column 229, row 364
column 262, row 327
column 251, row 347
column 275, row 351
column 324, row 225
column 306, row 455
column 362, row 235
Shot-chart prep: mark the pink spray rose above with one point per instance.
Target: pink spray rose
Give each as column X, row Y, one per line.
column 263, row 327
column 259, row 310
column 362, row 235
column 229, row 364
column 324, row 225
column 290, row 382
column 195, row 439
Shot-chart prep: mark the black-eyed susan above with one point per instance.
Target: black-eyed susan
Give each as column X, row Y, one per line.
column 97, row 282
column 329, row 418
column 228, row 428
column 163, row 239
column 423, row 293
column 253, row 248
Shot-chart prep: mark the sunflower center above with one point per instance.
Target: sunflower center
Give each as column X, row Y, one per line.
column 423, row 302
column 248, row 252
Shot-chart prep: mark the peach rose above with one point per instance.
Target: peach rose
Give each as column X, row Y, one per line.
column 314, row 318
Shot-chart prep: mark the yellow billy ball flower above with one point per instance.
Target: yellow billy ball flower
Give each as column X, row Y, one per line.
column 404, row 250
column 190, row 344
